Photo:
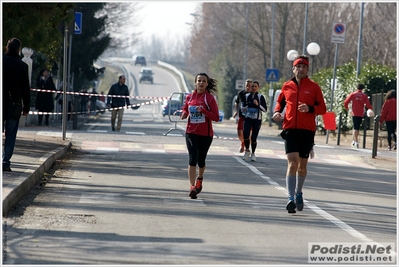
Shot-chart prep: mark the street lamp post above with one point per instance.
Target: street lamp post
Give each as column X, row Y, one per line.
column 313, row 50
column 291, row 55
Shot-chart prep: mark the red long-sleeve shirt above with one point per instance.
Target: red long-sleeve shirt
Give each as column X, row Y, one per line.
column 388, row 110
column 309, row 93
column 201, row 122
column 358, row 99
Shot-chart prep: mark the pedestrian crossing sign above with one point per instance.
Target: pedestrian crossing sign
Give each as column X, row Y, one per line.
column 272, row 75
column 78, row 23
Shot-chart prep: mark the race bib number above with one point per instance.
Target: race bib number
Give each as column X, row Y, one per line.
column 252, row 113
column 195, row 116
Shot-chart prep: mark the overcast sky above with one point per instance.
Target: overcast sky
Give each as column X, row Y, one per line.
column 166, row 18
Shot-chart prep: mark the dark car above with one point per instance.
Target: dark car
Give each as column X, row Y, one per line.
column 140, row 60
column 146, row 75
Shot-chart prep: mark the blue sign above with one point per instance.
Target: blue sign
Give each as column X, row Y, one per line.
column 272, row 75
column 78, row 23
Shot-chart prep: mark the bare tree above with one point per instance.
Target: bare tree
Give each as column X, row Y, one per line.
column 122, row 21
column 380, row 36
column 227, row 20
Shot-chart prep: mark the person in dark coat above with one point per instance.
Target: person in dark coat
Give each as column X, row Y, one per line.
column 93, row 102
column 44, row 100
column 16, row 97
column 84, row 98
column 117, row 103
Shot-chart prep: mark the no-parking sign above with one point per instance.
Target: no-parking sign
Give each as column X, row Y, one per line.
column 338, row 33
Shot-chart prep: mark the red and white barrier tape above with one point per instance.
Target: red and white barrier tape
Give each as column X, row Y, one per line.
column 89, row 94
column 159, row 99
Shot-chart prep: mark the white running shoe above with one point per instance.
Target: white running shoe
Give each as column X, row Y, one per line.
column 246, row 155
column 357, row 145
column 253, row 157
column 353, row 144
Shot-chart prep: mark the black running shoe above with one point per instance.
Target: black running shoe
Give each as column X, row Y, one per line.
column 299, row 201
column 193, row 192
column 291, row 206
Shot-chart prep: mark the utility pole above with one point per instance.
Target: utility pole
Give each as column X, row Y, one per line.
column 305, row 31
column 246, row 43
column 359, row 43
column 271, row 90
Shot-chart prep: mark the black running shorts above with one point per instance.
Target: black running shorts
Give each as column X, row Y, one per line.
column 298, row 140
column 356, row 122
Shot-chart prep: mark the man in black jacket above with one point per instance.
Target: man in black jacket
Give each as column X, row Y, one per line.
column 117, row 103
column 16, row 97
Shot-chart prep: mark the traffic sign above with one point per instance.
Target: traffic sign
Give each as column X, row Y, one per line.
column 338, row 33
column 78, row 23
column 239, row 84
column 272, row 75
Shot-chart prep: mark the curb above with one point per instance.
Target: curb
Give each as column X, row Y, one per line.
column 15, row 191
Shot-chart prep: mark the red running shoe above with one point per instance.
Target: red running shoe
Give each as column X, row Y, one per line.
column 198, row 185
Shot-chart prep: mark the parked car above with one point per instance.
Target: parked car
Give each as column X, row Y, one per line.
column 146, row 75
column 171, row 106
column 139, row 60
column 175, row 105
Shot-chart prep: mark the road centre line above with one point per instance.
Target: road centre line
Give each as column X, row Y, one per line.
column 313, row 207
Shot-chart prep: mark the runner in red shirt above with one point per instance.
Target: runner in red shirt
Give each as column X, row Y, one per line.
column 201, row 109
column 238, row 105
column 388, row 114
column 302, row 100
column 358, row 100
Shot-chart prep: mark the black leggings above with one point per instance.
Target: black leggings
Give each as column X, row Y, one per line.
column 391, row 127
column 198, row 146
column 254, row 125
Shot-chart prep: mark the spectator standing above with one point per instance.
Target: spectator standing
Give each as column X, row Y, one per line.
column 201, row 109
column 253, row 106
column 16, row 96
column 45, row 100
column 238, row 105
column 388, row 114
column 102, row 96
column 84, row 98
column 93, row 102
column 358, row 100
column 303, row 100
column 117, row 103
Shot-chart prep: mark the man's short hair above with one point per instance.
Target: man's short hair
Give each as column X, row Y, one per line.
column 360, row 86
column 14, row 44
column 248, row 80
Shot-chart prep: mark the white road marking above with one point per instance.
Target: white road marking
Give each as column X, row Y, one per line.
column 313, row 207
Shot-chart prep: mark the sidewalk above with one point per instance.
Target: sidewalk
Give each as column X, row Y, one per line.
column 35, row 154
